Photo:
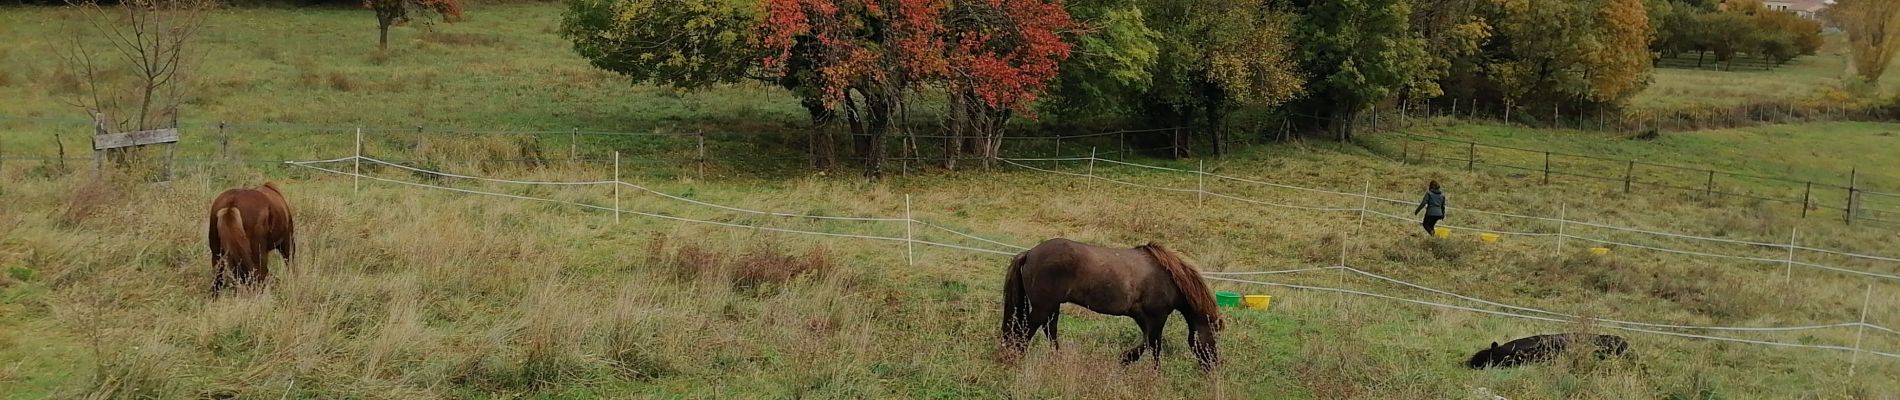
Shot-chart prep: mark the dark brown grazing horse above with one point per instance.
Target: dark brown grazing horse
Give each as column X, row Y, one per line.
column 1146, row 283
column 245, row 225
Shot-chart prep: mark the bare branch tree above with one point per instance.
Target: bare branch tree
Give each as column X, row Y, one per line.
column 132, row 56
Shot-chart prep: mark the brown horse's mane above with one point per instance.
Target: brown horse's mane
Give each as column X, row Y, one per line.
column 1200, row 299
column 273, row 187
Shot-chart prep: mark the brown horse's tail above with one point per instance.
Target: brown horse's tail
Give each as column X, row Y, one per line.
column 231, row 236
column 1200, row 299
column 1015, row 298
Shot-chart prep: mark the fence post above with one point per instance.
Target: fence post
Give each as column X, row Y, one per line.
column 1708, row 191
column 356, row 179
column 1628, row 176
column 1091, row 162
column 616, row 186
column 1853, row 182
column 1200, row 184
column 1123, row 137
column 1058, row 153
column 910, row 246
column 1547, row 167
column 1365, row 197
column 1788, row 275
column 224, row 142
column 573, row 143
column 702, row 153
column 1454, row 108
column 98, row 159
column 1562, row 222
column 1861, row 329
column 1805, row 193
column 1471, row 155
column 1405, row 151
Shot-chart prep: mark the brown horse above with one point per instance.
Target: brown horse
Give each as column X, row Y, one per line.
column 1146, row 283
column 245, row 225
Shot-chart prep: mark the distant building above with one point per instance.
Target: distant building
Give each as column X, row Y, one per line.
column 1805, row 8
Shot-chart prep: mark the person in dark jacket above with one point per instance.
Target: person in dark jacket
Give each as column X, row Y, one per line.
column 1433, row 205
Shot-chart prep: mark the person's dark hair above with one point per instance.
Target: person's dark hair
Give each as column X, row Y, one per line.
column 1433, row 185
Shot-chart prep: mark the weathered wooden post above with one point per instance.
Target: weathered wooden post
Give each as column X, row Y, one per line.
column 1471, row 155
column 1805, row 193
column 1546, row 167
column 1629, row 175
column 1708, row 191
column 1853, row 193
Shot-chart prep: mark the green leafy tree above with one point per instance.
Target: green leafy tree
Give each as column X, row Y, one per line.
column 685, row 44
column 1356, row 53
column 1113, row 61
column 1217, row 56
column 1579, row 54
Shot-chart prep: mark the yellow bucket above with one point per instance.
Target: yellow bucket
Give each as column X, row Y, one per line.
column 1441, row 232
column 1257, row 301
column 1601, row 251
column 1488, row 237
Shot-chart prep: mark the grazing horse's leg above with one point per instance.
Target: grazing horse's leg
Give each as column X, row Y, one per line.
column 1153, row 335
column 1050, row 329
column 1039, row 317
column 287, row 249
column 1134, row 354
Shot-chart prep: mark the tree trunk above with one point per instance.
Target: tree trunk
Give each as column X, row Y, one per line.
column 881, row 108
column 854, row 116
column 953, row 145
column 382, row 30
column 821, row 143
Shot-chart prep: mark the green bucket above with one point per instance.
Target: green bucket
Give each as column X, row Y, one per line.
column 1227, row 299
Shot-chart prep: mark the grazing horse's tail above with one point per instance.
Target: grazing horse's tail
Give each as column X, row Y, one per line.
column 1015, row 298
column 1200, row 299
column 231, row 236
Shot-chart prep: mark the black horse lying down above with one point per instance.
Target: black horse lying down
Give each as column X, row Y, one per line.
column 1542, row 348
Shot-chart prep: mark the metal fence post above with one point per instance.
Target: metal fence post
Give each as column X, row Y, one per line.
column 356, row 179
column 573, row 143
column 224, row 142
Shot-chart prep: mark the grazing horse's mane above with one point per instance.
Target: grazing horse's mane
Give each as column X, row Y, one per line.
column 1200, row 299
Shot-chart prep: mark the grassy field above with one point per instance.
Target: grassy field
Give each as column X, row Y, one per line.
column 404, row 292
column 1807, row 77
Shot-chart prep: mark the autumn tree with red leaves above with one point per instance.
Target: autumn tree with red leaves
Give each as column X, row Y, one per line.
column 1002, row 57
column 868, row 57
